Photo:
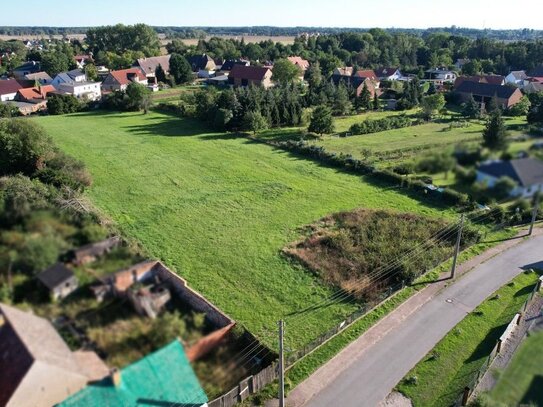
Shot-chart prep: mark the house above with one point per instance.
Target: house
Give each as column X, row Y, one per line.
column 517, row 78
column 164, row 377
column 36, row 94
column 356, row 80
column 492, row 79
column 203, row 65
column 526, row 172
column 533, row 86
column 241, row 75
column 149, row 65
column 75, row 83
column 119, row 80
column 82, row 60
column 37, row 367
column 59, row 280
column 27, row 68
column 389, row 74
column 229, row 64
column 40, row 78
column 92, row 251
column 460, row 62
column 8, row 89
column 300, row 63
column 483, row 92
column 440, row 76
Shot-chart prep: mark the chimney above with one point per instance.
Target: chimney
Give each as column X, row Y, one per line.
column 115, row 375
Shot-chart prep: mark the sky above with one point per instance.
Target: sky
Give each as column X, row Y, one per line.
column 287, row 13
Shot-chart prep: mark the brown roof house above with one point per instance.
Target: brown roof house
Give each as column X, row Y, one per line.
column 119, row 80
column 36, row 366
column 250, row 75
column 357, row 79
column 59, row 280
column 8, row 89
column 484, row 92
column 149, row 65
column 492, row 79
column 300, row 63
column 203, row 65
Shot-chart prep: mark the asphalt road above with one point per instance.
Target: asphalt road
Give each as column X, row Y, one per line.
column 377, row 369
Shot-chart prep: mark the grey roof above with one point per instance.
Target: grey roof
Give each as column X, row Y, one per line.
column 39, row 75
column 150, row 64
column 55, row 275
column 198, row 62
column 525, row 171
column 486, row 89
column 74, row 73
column 34, row 66
column 518, row 75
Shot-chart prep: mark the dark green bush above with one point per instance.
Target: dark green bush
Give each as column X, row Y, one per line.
column 374, row 126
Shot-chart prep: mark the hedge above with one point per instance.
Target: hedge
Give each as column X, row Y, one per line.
column 386, row 123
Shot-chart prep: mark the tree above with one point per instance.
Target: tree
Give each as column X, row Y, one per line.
column 376, row 104
column 285, row 71
column 521, row 108
column 363, row 101
column 180, row 69
column 160, row 75
column 313, row 76
column 8, row 110
column 341, row 103
column 503, row 187
column 493, row 106
column 55, row 62
column 471, row 108
column 255, row 122
column 121, row 38
column 495, row 134
column 91, row 72
column 438, row 162
column 432, row 104
column 536, row 113
column 472, row 67
column 177, row 46
column 24, row 147
column 62, row 104
column 321, row 121
column 138, row 97
column 20, row 196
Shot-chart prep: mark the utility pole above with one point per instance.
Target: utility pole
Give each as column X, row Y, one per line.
column 457, row 247
column 281, row 366
column 534, row 211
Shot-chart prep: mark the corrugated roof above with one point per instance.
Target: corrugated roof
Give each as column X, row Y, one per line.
column 162, row 378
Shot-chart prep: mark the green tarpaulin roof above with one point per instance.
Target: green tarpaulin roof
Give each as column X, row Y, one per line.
column 162, row 378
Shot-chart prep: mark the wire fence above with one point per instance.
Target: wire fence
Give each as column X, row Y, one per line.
column 468, row 391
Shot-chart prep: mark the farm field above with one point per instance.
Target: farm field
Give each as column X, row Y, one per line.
column 218, row 209
column 522, row 380
column 439, row 378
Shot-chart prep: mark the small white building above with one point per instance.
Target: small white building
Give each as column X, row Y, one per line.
column 517, row 78
column 75, row 83
column 389, row 74
column 440, row 76
column 526, row 172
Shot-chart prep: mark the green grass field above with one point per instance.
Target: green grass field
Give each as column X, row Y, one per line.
column 522, row 380
column 450, row 366
column 218, row 209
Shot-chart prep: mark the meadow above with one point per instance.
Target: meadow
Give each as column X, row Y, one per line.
column 218, row 209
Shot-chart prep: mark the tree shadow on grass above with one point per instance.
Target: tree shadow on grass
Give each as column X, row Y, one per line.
column 166, row 126
column 487, row 344
column 534, row 394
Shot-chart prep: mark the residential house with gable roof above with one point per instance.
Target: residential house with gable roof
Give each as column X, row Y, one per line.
column 517, row 78
column 27, row 68
column 119, row 80
column 164, row 377
column 40, row 78
column 203, row 65
column 526, row 172
column 36, row 366
column 241, row 75
column 149, row 66
column 389, row 74
column 59, row 280
column 8, row 89
column 75, row 83
column 484, row 92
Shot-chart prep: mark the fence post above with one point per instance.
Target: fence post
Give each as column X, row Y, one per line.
column 465, row 396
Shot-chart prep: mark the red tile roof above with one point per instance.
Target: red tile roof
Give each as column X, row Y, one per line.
column 36, row 92
column 122, row 75
column 367, row 73
column 9, row 86
column 302, row 63
column 254, row 73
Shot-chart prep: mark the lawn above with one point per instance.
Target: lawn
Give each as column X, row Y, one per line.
column 522, row 380
column 439, row 378
column 218, row 209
